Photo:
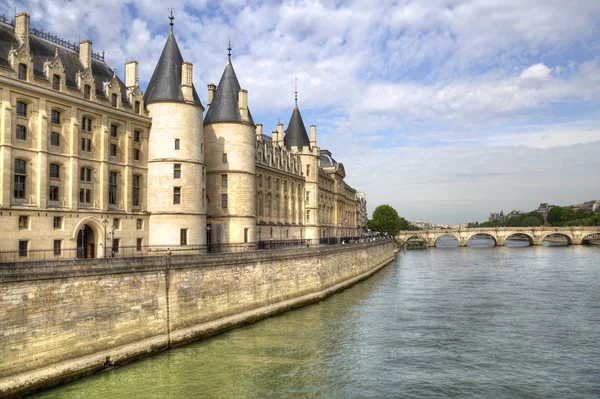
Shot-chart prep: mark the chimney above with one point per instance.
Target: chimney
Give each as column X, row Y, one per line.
column 211, row 92
column 131, row 73
column 313, row 136
column 186, row 81
column 85, row 53
column 280, row 133
column 275, row 138
column 243, row 104
column 22, row 28
column 259, row 131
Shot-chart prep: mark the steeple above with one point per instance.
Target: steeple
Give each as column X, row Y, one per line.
column 295, row 134
column 225, row 106
column 165, row 83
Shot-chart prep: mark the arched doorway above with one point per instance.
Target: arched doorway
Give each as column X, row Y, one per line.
column 86, row 243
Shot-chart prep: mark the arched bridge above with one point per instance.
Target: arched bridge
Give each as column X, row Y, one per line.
column 574, row 235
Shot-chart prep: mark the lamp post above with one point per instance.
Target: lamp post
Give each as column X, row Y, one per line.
column 105, row 223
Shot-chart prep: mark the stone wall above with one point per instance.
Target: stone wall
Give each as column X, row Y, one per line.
column 62, row 320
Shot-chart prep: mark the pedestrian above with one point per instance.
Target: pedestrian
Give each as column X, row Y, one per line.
column 168, row 253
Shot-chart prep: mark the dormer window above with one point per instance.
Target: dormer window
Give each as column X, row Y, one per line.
column 113, row 100
column 22, row 71
column 87, row 91
column 137, row 107
column 56, row 82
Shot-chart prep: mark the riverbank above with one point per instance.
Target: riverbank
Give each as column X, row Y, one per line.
column 64, row 320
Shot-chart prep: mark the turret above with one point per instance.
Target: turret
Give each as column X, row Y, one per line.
column 175, row 161
column 230, row 138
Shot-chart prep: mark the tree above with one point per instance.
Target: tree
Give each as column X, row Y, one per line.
column 386, row 219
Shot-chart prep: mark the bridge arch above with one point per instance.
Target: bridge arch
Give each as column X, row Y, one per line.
column 557, row 233
column 481, row 233
column 438, row 236
column 520, row 233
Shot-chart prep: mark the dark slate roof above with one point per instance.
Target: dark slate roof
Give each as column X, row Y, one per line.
column 43, row 50
column 295, row 134
column 326, row 160
column 224, row 106
column 165, row 83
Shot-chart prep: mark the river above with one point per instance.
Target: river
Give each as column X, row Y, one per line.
column 439, row 323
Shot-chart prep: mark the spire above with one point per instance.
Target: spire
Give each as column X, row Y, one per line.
column 165, row 83
column 229, row 50
column 296, row 90
column 171, row 17
column 224, row 106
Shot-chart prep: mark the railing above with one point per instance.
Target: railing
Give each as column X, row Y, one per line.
column 281, row 244
column 52, row 38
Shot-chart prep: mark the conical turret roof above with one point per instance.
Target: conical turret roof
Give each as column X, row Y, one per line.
column 224, row 106
column 165, row 84
column 295, row 134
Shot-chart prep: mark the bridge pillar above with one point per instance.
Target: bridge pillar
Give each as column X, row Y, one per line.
column 462, row 242
column 500, row 241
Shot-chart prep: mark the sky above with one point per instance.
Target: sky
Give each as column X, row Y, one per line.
column 446, row 110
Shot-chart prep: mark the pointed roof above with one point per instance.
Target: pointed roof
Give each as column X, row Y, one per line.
column 295, row 134
column 165, row 84
column 224, row 106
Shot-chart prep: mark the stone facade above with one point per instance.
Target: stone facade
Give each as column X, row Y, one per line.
column 91, row 166
column 60, row 320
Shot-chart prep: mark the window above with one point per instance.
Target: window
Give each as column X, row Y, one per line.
column 20, row 178
column 224, row 181
column 176, row 195
column 307, row 216
column 23, row 248
column 113, row 150
column 53, row 193
column 113, row 100
column 201, row 148
column 86, row 144
column 55, row 139
column 136, row 154
column 138, row 244
column 177, row 171
column 137, row 107
column 116, row 223
column 86, row 124
column 137, row 135
column 224, row 158
column 268, row 182
column 54, row 171
column 246, row 235
column 85, row 174
column 115, row 246
column 21, row 132
column 22, row 72
column 57, row 223
column 23, row 222
column 87, row 90
column 203, row 196
column 136, row 192
column 112, row 188
column 176, row 144
column 21, row 109
column 307, row 170
column 223, row 201
column 140, row 224
column 307, row 196
column 113, row 131
column 85, row 196
column 56, row 82
column 57, row 247
column 55, row 117
column 183, row 236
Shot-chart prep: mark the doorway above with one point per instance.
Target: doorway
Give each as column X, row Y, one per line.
column 86, row 247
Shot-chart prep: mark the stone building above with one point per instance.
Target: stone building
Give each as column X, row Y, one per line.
column 92, row 167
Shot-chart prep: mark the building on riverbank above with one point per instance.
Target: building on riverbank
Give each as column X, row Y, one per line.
column 92, row 166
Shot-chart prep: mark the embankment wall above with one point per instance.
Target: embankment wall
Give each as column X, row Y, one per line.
column 62, row 320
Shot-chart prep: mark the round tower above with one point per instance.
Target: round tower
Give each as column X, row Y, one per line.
column 230, row 138
column 176, row 169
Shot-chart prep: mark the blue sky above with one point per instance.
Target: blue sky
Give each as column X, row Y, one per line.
column 446, row 110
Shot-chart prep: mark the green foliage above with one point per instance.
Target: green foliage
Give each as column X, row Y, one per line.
column 386, row 219
column 558, row 216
